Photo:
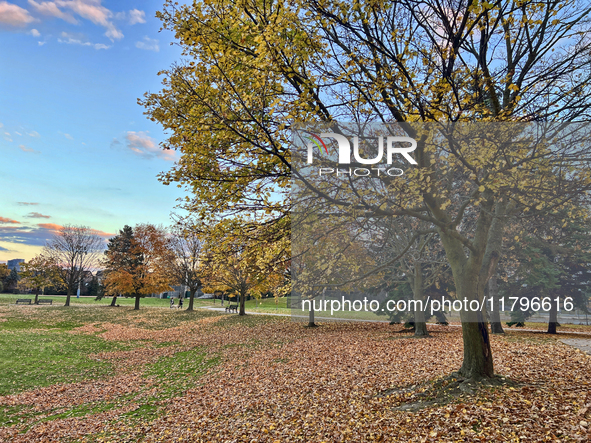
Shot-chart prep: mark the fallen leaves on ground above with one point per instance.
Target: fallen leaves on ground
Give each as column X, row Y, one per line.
column 281, row 382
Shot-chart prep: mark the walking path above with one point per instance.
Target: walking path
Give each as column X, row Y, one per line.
column 583, row 344
column 579, row 343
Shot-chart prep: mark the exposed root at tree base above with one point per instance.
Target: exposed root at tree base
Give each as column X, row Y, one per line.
column 442, row 391
column 409, row 330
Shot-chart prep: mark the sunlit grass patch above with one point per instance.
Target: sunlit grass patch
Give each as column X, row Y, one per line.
column 174, row 375
column 31, row 360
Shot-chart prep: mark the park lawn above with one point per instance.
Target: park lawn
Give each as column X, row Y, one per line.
column 97, row 374
column 269, row 306
column 154, row 302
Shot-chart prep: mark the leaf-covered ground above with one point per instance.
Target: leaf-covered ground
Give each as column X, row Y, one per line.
column 212, row 377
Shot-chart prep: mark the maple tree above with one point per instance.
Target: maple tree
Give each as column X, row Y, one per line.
column 75, row 250
column 186, row 248
column 38, row 273
column 119, row 255
column 137, row 262
column 242, row 263
column 255, row 67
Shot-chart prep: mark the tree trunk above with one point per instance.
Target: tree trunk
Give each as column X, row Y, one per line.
column 114, row 301
column 191, row 298
column 37, row 296
column 242, row 302
column 478, row 362
column 553, row 320
column 137, row 303
column 495, row 316
column 420, row 323
column 68, row 298
column 311, row 323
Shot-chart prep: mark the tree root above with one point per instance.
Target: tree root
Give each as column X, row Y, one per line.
column 442, row 391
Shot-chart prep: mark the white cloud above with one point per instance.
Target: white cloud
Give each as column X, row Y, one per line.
column 91, row 10
column 34, row 33
column 17, row 133
column 148, row 44
column 14, row 15
column 51, row 9
column 41, row 43
column 68, row 136
column 78, row 39
column 143, row 145
column 1, row 125
column 26, row 149
column 33, row 134
column 136, row 16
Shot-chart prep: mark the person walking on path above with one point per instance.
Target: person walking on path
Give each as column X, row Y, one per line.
column 171, row 302
column 180, row 302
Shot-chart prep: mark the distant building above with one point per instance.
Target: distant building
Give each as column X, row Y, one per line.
column 15, row 264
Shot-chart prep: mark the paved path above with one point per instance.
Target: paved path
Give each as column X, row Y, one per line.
column 579, row 343
column 582, row 344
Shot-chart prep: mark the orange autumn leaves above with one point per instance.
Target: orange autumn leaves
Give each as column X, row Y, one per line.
column 138, row 262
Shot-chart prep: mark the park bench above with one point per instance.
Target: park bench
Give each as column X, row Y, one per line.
column 23, row 301
column 46, row 301
column 232, row 308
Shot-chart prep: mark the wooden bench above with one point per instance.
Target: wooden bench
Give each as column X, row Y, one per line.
column 45, row 301
column 23, row 301
column 232, row 308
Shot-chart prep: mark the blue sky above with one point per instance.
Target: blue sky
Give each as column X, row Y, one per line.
column 75, row 147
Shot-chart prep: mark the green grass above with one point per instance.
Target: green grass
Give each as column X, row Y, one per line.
column 174, row 375
column 32, row 360
column 38, row 349
column 10, row 299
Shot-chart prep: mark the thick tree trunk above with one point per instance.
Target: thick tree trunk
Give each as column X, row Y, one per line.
column 419, row 314
column 191, row 298
column 311, row 323
column 137, row 303
column 553, row 320
column 495, row 316
column 37, row 296
column 114, row 301
column 68, row 298
column 242, row 303
column 478, row 362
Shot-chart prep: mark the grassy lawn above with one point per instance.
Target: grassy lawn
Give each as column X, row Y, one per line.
column 45, row 357
column 90, row 301
column 95, row 373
